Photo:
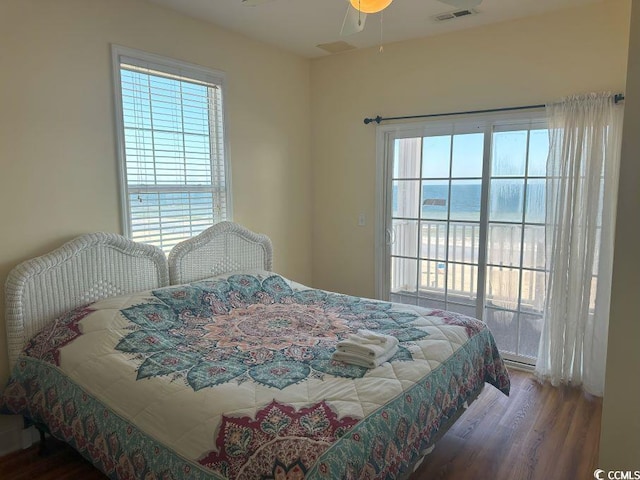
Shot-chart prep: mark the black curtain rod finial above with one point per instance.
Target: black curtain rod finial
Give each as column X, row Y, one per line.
column 378, row 119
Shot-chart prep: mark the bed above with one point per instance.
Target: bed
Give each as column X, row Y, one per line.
column 207, row 365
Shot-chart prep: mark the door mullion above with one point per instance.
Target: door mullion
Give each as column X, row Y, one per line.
column 522, row 244
column 484, row 221
column 448, row 236
column 419, row 222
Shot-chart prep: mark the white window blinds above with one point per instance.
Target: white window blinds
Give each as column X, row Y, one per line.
column 172, row 144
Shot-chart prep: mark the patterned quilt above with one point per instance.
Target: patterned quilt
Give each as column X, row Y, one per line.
column 232, row 378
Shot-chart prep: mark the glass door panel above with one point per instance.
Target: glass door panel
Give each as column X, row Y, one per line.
column 506, row 200
column 464, row 241
column 468, row 150
column 447, row 210
column 465, row 203
column 405, row 198
column 515, row 281
column 433, row 237
column 435, row 199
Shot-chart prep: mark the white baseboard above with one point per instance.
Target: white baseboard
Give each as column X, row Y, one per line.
column 13, row 435
column 525, row 367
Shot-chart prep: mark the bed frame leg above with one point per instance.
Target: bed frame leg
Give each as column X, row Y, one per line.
column 42, row 449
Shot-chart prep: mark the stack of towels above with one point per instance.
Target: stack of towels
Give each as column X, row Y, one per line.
column 366, row 349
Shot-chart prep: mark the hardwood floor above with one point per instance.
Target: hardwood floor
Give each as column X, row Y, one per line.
column 60, row 463
column 539, row 432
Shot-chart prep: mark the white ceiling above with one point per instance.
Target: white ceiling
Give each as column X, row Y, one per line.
column 300, row 25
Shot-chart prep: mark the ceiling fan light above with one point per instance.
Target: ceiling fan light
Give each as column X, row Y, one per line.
column 370, row 6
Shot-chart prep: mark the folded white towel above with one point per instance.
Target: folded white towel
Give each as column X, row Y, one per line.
column 367, row 336
column 367, row 349
column 368, row 362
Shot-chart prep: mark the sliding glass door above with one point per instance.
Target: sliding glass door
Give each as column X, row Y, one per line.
column 461, row 223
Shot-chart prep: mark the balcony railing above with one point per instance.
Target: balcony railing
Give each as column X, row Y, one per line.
column 427, row 263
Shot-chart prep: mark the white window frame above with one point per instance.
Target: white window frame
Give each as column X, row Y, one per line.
column 180, row 69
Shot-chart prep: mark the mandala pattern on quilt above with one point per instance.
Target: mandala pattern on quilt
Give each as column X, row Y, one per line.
column 46, row 345
column 247, row 447
column 251, row 328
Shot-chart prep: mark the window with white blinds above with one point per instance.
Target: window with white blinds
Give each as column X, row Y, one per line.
column 171, row 135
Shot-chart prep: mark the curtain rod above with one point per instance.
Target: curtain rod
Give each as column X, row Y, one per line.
column 618, row 97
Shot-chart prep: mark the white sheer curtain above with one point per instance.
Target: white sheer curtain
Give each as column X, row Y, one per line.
column 582, row 183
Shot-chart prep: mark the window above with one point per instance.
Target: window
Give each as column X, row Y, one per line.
column 462, row 212
column 174, row 175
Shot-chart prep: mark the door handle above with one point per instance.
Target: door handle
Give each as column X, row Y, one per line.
column 390, row 236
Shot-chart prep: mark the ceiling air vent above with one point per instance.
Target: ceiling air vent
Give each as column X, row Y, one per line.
column 336, row 47
column 452, row 15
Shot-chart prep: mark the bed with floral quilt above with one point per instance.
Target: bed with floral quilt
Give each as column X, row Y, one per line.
column 232, row 378
column 227, row 375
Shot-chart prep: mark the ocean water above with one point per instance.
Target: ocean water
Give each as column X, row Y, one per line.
column 506, row 201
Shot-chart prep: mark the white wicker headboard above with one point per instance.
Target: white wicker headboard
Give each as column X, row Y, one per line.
column 223, row 248
column 88, row 268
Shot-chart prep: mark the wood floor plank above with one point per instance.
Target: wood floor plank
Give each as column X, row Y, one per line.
column 537, row 433
column 60, row 463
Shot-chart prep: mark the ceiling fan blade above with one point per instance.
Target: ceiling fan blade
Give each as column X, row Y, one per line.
column 462, row 3
column 353, row 22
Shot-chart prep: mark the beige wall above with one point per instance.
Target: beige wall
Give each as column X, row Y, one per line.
column 620, row 439
column 523, row 62
column 58, row 170
column 58, row 167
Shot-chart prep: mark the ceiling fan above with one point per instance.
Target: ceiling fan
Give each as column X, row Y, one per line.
column 358, row 9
